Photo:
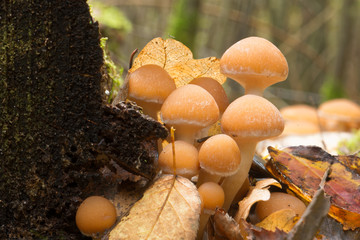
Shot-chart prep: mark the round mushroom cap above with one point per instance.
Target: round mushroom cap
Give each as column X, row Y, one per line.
column 252, row 118
column 300, row 112
column 215, row 89
column 190, row 106
column 220, row 155
column 277, row 202
column 212, row 196
column 150, row 83
column 339, row 114
column 186, row 157
column 299, row 127
column 254, row 62
column 95, row 215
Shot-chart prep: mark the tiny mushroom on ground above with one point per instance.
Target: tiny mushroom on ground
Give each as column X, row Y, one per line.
column 255, row 63
column 149, row 86
column 186, row 157
column 339, row 115
column 215, row 89
column 212, row 197
column 95, row 215
column 189, row 109
column 219, row 156
column 248, row 120
column 300, row 112
column 279, row 201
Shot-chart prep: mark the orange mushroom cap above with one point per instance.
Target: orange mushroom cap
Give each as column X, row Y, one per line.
column 220, row 155
column 150, row 83
column 186, row 157
column 252, row 118
column 300, row 112
column 215, row 89
column 255, row 63
column 212, row 196
column 189, row 107
column 95, row 215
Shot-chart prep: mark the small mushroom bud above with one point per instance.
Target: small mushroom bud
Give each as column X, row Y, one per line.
column 212, row 197
column 219, row 156
column 279, row 201
column 186, row 157
column 95, row 215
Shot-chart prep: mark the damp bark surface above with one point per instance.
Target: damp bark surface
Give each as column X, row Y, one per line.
column 56, row 133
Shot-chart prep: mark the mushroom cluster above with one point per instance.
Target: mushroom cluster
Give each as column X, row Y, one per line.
column 225, row 158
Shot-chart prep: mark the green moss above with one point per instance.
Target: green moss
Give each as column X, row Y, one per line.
column 351, row 146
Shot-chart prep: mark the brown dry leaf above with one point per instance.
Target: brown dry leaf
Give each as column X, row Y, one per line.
column 258, row 193
column 169, row 209
column 302, row 168
column 284, row 220
column 177, row 60
column 226, row 227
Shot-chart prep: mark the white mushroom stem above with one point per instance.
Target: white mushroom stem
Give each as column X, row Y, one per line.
column 232, row 184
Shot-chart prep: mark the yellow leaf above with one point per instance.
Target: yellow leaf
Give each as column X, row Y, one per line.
column 170, row 209
column 284, row 220
column 177, row 60
column 258, row 193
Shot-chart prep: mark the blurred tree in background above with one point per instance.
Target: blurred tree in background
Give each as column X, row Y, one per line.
column 320, row 39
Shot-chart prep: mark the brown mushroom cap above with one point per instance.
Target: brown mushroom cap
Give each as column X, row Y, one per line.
column 220, row 155
column 95, row 215
column 255, row 63
column 186, row 157
column 279, row 201
column 300, row 112
column 189, row 108
column 252, row 118
column 215, row 89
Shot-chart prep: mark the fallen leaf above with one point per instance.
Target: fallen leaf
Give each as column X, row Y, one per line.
column 169, row 209
column 258, row 193
column 310, row 222
column 302, row 168
column 226, row 226
column 284, row 220
column 177, row 60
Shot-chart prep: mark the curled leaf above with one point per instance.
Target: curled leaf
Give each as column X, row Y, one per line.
column 170, row 209
column 258, row 193
column 302, row 168
column 284, row 220
column 177, row 60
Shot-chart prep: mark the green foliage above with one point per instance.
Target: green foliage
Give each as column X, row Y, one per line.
column 351, row 146
column 110, row 16
column 332, row 89
column 114, row 72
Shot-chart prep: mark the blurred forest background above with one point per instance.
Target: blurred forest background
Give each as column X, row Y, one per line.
column 320, row 39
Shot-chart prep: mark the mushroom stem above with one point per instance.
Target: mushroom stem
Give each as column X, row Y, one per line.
column 204, row 218
column 205, row 176
column 254, row 91
column 232, row 184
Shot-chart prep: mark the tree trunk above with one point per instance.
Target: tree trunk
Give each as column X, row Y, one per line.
column 56, row 134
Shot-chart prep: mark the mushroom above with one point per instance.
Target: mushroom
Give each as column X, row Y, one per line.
column 255, row 63
column 248, row 120
column 298, row 127
column 186, row 156
column 339, row 115
column 189, row 109
column 300, row 112
column 215, row 89
column 212, row 197
column 149, row 86
column 95, row 215
column 279, row 201
column 219, row 156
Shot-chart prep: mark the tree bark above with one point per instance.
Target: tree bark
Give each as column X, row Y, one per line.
column 56, row 134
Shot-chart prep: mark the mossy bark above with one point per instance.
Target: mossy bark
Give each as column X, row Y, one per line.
column 53, row 122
